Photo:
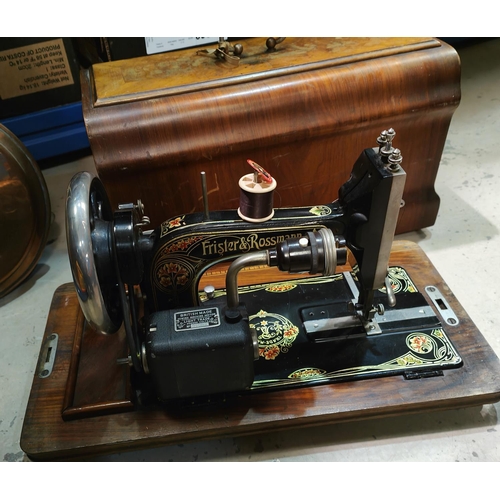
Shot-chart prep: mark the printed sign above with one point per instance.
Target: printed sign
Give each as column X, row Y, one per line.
column 36, row 67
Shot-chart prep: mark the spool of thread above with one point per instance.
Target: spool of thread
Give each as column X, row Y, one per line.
column 256, row 195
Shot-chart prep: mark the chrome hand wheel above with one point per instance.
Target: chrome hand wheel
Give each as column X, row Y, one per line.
column 89, row 234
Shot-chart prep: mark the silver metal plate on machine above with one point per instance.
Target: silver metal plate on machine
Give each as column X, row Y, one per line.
column 442, row 306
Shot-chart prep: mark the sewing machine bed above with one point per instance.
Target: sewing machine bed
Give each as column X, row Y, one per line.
column 86, row 406
column 412, row 341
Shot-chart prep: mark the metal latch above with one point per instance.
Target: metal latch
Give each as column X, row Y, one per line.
column 48, row 356
column 442, row 305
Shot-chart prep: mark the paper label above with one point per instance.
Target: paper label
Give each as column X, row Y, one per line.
column 155, row 45
column 32, row 68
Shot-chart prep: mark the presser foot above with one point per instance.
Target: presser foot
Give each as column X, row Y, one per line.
column 371, row 327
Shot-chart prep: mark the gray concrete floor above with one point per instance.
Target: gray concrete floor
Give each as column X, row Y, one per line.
column 464, row 245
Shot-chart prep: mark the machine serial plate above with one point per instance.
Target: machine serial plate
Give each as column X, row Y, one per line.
column 196, row 319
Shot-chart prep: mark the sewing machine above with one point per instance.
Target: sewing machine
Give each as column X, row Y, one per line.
column 224, row 323
column 322, row 325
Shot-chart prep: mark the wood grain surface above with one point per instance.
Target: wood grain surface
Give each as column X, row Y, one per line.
column 184, row 71
column 304, row 113
column 46, row 435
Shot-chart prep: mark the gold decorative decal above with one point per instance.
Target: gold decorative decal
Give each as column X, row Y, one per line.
column 180, row 245
column 280, row 287
column 320, row 210
column 275, row 333
column 400, row 281
column 419, row 343
column 173, row 274
column 171, row 224
column 229, row 244
column 211, row 245
column 307, row 373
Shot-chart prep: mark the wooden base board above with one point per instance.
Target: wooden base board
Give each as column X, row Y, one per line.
column 49, row 434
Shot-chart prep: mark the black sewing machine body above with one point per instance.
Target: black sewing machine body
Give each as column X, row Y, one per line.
column 323, row 326
column 187, row 246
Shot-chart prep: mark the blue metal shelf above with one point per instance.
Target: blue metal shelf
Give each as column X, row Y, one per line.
column 50, row 132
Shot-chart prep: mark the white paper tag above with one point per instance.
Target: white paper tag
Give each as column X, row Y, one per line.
column 155, row 45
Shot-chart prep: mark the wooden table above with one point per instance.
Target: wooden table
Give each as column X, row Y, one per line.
column 47, row 435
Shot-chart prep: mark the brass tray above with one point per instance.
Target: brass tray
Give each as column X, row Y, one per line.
column 24, row 212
